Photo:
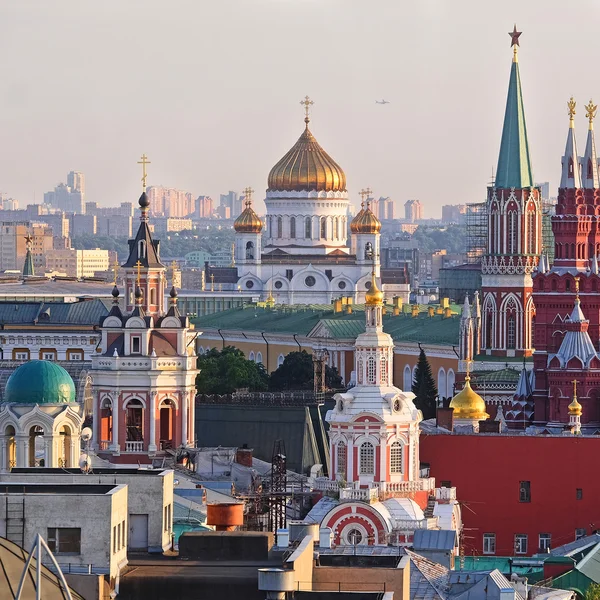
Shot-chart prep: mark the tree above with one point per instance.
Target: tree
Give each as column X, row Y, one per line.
column 593, row 592
column 297, row 373
column 223, row 372
column 424, row 387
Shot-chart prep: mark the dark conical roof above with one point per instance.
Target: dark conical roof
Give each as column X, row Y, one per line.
column 147, row 252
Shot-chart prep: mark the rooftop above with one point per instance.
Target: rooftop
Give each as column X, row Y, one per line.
column 302, row 320
column 71, row 489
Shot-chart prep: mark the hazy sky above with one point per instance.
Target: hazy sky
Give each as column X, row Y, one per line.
column 210, row 90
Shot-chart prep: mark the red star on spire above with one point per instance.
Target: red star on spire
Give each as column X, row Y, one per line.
column 514, row 36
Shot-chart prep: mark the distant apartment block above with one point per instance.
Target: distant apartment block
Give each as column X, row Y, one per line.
column 68, row 197
column 413, row 210
column 114, row 221
column 230, row 205
column 169, row 202
column 171, row 224
column 78, row 263
column 13, row 248
column 454, row 213
column 8, row 203
column 204, row 207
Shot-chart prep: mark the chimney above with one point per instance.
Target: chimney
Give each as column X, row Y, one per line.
column 445, row 418
column 243, row 456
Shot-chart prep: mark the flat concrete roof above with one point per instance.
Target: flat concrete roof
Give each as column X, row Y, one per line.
column 57, row 489
column 96, row 471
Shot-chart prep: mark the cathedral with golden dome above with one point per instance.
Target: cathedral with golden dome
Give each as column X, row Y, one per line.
column 302, row 254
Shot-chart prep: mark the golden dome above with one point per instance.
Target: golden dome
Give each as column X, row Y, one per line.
column 365, row 222
column 374, row 295
column 356, row 218
column 307, row 167
column 248, row 221
column 468, row 404
column 575, row 408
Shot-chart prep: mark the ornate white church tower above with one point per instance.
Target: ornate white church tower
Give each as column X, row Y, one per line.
column 374, row 452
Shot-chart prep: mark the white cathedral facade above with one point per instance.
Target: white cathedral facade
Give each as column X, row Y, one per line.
column 306, row 257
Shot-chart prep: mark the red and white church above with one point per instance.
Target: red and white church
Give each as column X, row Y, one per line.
column 376, row 493
column 144, row 372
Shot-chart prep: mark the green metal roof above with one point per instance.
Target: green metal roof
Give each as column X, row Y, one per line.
column 514, row 163
column 302, row 320
column 28, row 270
column 509, row 375
column 504, row 564
column 40, row 382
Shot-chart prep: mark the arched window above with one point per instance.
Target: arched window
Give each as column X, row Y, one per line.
column 489, row 337
column 142, row 249
column 259, row 358
column 367, row 459
column 450, row 384
column 570, row 169
column 250, row 250
column 511, row 332
column 371, row 370
column 251, row 356
column 567, row 285
column 384, row 371
column 280, row 360
column 396, row 458
column 341, row 459
column 368, row 251
column 441, row 382
column 359, row 375
column 336, row 228
column 153, row 296
column 307, row 228
column 512, row 232
column 323, row 227
column 279, row 227
column 531, row 232
column 407, row 380
column 293, row 227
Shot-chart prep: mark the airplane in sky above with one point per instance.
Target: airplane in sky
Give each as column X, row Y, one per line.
column 382, row 102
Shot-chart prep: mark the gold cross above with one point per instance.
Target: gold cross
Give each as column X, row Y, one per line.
column 144, row 162
column 116, row 269
column 577, row 287
column 248, row 193
column 574, row 382
column 365, row 193
column 138, row 264
column 307, row 103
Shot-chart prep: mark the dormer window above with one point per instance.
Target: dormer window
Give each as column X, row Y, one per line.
column 136, row 344
column 142, row 249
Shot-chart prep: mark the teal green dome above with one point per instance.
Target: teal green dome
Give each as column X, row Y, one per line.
column 40, row 382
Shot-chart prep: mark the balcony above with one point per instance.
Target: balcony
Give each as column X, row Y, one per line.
column 136, row 447
column 406, row 487
column 445, row 494
column 322, row 484
column 369, row 495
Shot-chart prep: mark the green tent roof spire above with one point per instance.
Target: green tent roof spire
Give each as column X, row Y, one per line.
column 514, row 163
column 28, row 265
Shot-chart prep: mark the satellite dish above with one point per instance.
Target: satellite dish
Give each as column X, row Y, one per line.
column 86, row 434
column 85, row 463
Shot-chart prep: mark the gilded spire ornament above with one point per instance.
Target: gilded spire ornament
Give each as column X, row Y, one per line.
column 590, row 113
column 138, row 264
column 116, row 270
column 144, row 162
column 365, row 193
column 248, row 193
column 576, row 288
column 307, row 103
column 575, row 409
column 571, row 104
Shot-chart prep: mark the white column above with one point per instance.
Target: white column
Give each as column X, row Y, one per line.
column 96, row 422
column 25, row 453
column 350, row 460
column 115, row 422
column 4, row 458
column 383, row 455
column 152, row 441
column 343, row 365
column 184, row 419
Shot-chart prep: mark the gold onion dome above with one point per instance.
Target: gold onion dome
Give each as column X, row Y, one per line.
column 307, row 167
column 248, row 221
column 575, row 408
column 356, row 218
column 365, row 222
column 468, row 404
column 374, row 295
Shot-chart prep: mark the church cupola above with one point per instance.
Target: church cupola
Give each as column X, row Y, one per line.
column 366, row 232
column 571, row 173
column 248, row 234
column 143, row 268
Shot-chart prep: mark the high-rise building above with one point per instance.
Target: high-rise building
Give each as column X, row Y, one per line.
column 514, row 232
column 230, row 205
column 69, row 198
column 76, row 181
column 169, row 202
column 204, row 207
column 454, row 213
column 13, row 247
column 413, row 210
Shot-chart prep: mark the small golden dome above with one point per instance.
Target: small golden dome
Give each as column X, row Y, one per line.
column 374, row 295
column 248, row 221
column 365, row 222
column 357, row 218
column 307, row 167
column 575, row 408
column 468, row 404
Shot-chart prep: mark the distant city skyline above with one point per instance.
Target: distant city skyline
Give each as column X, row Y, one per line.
column 214, row 112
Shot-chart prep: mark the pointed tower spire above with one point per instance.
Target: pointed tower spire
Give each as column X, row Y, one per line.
column 514, row 164
column 28, row 270
column 590, row 160
column 571, row 173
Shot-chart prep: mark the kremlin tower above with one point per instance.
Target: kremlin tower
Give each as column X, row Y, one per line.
column 376, row 493
column 567, row 327
column 514, row 235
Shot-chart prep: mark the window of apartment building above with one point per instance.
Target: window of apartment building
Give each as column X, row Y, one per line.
column 136, row 344
column 524, row 491
column 489, row 543
column 579, row 533
column 123, row 530
column 545, row 541
column 579, row 494
column 64, row 540
column 521, row 543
